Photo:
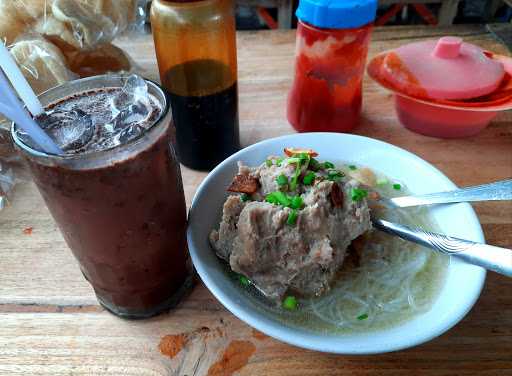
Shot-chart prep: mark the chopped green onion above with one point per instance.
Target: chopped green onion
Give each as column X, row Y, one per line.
column 244, row 281
column 301, row 156
column 304, row 157
column 352, row 167
column 293, row 184
column 314, row 164
column 283, row 199
column 328, row 165
column 298, row 159
column 397, row 186
column 309, row 178
column 293, row 160
column 278, row 197
column 292, row 217
column 290, row 303
column 269, row 162
column 282, row 180
column 364, row 316
column 335, row 175
column 297, row 202
column 245, row 197
column 270, row 198
column 357, row 194
column 279, row 161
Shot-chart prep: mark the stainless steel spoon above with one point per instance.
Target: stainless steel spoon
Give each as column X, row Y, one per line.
column 498, row 191
column 487, row 256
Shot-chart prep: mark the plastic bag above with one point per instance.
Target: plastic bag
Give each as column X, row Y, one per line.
column 75, row 24
column 41, row 62
column 7, row 182
column 16, row 17
column 7, row 158
column 54, row 41
column 84, row 24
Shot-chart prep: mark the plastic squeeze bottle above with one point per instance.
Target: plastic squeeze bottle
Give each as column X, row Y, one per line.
column 331, row 50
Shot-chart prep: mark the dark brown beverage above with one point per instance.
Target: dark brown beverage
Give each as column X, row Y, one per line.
column 117, row 197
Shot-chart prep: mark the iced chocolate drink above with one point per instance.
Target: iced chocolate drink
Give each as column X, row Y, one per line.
column 116, row 193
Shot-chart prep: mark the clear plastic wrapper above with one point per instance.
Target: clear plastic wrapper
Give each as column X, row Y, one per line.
column 7, row 182
column 42, row 63
column 7, row 153
column 54, row 41
column 17, row 17
column 8, row 161
column 79, row 24
column 105, row 57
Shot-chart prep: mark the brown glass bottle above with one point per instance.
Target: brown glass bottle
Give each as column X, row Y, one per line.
column 195, row 45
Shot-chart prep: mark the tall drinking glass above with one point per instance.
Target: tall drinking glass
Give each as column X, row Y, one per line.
column 121, row 210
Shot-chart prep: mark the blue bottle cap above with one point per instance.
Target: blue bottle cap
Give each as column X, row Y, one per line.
column 337, row 14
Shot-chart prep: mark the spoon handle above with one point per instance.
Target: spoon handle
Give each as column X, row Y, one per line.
column 487, row 256
column 498, row 191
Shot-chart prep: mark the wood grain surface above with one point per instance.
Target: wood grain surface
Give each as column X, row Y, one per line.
column 51, row 324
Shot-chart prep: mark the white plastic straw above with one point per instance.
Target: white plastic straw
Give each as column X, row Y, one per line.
column 19, row 82
column 12, row 108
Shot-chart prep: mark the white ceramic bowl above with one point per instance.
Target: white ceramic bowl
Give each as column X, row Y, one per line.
column 463, row 282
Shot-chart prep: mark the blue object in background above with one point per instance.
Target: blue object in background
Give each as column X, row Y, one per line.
column 337, row 14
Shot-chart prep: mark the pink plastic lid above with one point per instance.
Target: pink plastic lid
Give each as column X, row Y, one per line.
column 443, row 69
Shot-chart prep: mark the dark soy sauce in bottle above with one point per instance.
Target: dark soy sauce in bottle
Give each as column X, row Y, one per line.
column 196, row 51
column 205, row 112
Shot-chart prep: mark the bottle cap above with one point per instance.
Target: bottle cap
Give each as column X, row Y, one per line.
column 446, row 68
column 337, row 14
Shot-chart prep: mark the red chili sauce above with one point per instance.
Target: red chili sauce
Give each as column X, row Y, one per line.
column 326, row 92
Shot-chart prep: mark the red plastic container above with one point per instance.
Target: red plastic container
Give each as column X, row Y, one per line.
column 438, row 121
column 326, row 90
column 445, row 88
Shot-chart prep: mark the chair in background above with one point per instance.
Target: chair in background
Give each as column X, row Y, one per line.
column 284, row 11
column 447, row 11
column 492, row 7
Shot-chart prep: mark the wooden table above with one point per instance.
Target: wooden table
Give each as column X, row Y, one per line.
column 51, row 324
